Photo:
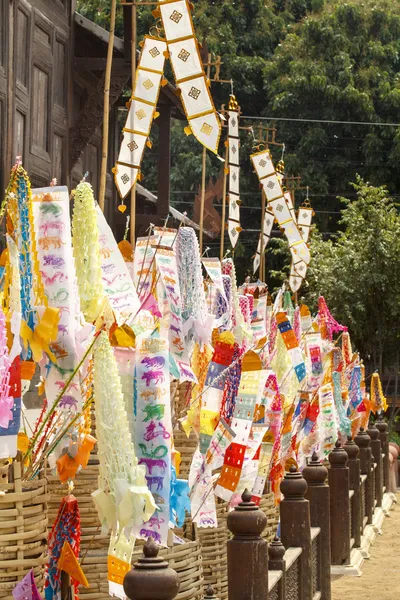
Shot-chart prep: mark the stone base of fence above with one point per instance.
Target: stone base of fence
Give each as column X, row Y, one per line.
column 358, row 555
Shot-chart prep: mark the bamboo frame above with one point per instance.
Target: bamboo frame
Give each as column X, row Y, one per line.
column 106, row 109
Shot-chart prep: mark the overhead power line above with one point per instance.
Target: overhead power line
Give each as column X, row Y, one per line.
column 321, row 121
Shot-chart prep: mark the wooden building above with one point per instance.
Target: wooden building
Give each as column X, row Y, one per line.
column 52, row 65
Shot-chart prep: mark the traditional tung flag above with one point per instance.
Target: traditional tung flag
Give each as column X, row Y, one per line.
column 234, row 171
column 189, row 73
column 142, row 108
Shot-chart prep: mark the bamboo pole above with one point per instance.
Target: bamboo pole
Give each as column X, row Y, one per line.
column 106, row 110
column 133, row 72
column 262, row 249
column 221, row 249
column 203, row 177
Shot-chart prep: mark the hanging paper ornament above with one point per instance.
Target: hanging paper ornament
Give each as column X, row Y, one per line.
column 183, row 50
column 86, row 246
column 234, row 171
column 27, row 589
column 141, row 112
column 122, row 499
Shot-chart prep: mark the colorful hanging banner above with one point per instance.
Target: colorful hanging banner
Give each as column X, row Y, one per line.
column 234, row 171
column 213, row 393
column 327, row 420
column 250, row 390
column 142, row 110
column 153, row 431
column 292, row 345
column 264, row 463
column 189, row 73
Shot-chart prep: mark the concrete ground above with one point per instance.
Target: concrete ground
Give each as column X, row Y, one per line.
column 380, row 577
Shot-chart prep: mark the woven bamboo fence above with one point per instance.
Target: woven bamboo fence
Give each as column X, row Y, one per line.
column 184, row 557
column 23, row 529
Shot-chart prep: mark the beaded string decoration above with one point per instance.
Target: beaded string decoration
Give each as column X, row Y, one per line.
column 67, row 527
column 85, row 236
column 20, row 227
column 231, row 387
column 347, row 352
column 228, row 268
column 190, row 276
column 355, row 391
column 327, row 324
column 378, row 400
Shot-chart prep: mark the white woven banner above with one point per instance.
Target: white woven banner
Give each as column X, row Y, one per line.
column 276, row 202
column 143, row 102
column 234, row 171
column 189, row 72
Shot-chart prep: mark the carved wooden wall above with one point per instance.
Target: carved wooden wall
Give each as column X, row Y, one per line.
column 37, row 43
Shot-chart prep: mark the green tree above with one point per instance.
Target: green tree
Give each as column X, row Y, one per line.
column 358, row 273
column 328, row 60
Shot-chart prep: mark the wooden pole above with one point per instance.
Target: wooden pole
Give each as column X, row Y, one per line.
column 247, row 552
column 262, row 257
column 353, row 452
column 221, row 249
column 384, row 437
column 203, row 177
column 318, row 496
column 376, row 451
column 296, row 528
column 339, row 484
column 133, row 72
column 106, row 110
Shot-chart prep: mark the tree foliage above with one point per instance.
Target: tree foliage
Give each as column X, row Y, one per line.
column 358, row 272
column 320, row 60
